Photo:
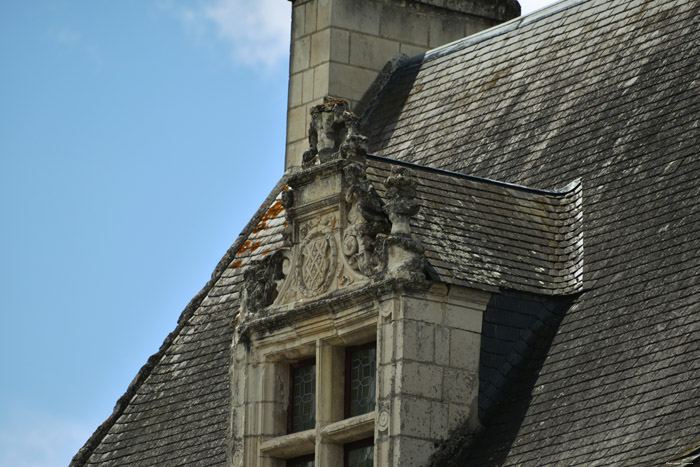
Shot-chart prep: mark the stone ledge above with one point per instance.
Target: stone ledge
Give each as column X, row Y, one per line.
column 350, row 429
column 288, row 446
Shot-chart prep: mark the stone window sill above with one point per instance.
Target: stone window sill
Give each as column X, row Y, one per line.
column 350, row 429
column 288, row 446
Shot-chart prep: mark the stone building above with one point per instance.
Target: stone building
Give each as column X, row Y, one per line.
column 484, row 251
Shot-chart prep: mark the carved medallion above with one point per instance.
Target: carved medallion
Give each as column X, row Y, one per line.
column 317, row 263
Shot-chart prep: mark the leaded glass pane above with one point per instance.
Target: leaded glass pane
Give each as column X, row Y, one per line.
column 303, row 398
column 361, row 457
column 363, row 368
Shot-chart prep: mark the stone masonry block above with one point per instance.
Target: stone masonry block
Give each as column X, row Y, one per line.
column 356, row 15
column 310, row 19
column 295, row 90
column 464, row 349
column 294, row 151
column 442, row 345
column 472, row 27
column 298, row 16
column 323, row 14
column 340, row 45
column 321, row 78
column 443, row 31
column 420, row 379
column 463, row 317
column 371, row 51
column 458, row 414
column 296, row 123
column 320, row 47
column 403, row 25
column 411, row 452
column 349, row 82
column 414, row 416
column 422, row 310
column 412, row 50
column 439, row 419
column 460, row 386
column 307, row 94
column 300, row 54
column 419, row 341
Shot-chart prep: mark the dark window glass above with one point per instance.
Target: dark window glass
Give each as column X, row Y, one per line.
column 360, row 384
column 303, row 461
column 359, row 454
column 303, row 397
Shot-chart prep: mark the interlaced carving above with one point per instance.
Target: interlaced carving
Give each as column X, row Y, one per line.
column 317, row 260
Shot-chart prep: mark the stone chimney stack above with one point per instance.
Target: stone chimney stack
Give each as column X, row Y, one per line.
column 340, row 46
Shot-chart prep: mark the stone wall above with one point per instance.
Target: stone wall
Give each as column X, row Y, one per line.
column 428, row 374
column 340, row 46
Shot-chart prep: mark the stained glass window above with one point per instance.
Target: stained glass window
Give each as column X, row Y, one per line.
column 360, row 386
column 303, row 397
column 359, row 454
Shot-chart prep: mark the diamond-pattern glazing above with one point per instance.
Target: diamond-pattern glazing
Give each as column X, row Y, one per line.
column 303, row 398
column 363, row 367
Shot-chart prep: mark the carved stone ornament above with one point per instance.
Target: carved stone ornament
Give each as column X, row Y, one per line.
column 260, row 282
column 333, row 134
column 366, row 220
column 316, row 263
column 406, row 257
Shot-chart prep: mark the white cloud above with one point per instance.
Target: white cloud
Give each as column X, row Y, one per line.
column 257, row 31
column 29, row 439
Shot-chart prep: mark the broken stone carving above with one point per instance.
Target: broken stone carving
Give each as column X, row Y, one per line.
column 405, row 253
column 333, row 134
column 260, row 282
column 366, row 220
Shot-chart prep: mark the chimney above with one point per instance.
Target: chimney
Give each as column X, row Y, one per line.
column 340, row 46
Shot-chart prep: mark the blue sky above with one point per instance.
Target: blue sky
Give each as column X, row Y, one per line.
column 137, row 137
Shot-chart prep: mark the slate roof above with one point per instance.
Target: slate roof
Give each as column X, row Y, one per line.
column 606, row 92
column 176, row 411
column 600, row 91
column 488, row 235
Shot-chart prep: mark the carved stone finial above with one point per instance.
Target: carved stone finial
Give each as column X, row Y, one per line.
column 333, row 134
column 260, row 282
column 405, row 253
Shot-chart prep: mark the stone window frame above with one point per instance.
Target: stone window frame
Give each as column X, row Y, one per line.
column 333, row 430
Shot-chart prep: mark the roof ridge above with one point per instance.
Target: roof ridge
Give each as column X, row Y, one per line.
column 570, row 187
column 495, row 31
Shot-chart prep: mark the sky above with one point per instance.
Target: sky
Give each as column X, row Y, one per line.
column 137, row 138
